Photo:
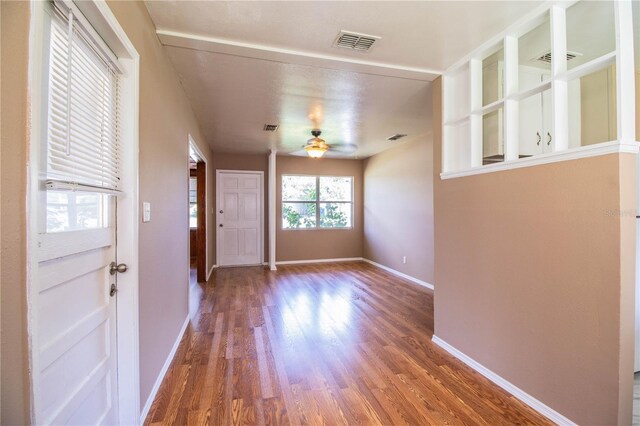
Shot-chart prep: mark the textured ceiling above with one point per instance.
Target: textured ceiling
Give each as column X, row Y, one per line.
column 224, row 54
column 233, row 97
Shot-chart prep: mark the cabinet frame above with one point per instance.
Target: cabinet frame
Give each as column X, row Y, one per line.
column 463, row 132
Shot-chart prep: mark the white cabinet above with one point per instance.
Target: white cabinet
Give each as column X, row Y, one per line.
column 535, row 124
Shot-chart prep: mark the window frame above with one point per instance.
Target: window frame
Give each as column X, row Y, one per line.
column 317, row 202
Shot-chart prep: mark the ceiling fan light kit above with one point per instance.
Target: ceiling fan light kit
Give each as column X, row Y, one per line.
column 315, row 151
column 316, row 147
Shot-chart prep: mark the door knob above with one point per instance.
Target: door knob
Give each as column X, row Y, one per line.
column 221, row 212
column 221, row 225
column 113, row 268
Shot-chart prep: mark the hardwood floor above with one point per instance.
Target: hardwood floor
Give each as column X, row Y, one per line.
column 322, row 344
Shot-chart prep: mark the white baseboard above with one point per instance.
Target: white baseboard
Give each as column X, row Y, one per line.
column 211, row 271
column 163, row 372
column 301, row 262
column 532, row 402
column 400, row 274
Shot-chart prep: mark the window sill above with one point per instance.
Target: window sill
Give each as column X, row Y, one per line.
column 613, row 147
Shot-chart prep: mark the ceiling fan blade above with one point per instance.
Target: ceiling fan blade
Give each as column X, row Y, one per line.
column 344, row 147
column 299, row 153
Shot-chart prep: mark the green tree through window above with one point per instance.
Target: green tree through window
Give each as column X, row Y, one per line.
column 316, row 202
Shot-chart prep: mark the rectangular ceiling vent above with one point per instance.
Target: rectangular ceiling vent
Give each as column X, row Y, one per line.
column 355, row 41
column 270, row 127
column 547, row 57
column 396, row 137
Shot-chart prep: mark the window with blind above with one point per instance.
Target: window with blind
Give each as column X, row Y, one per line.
column 83, row 132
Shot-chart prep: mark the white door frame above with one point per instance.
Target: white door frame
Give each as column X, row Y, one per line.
column 128, row 391
column 218, row 239
column 196, row 148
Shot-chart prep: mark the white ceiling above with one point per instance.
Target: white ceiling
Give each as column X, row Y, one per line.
column 244, row 64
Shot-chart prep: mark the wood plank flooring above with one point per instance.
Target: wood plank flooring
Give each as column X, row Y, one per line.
column 332, row 344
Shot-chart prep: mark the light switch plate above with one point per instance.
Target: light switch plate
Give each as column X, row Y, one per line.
column 146, row 211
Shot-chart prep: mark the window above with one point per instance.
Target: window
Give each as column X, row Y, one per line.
column 312, row 202
column 83, row 129
column 193, row 202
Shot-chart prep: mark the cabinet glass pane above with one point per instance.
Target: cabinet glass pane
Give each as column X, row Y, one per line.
column 492, row 77
column 534, row 56
column 592, row 108
column 492, row 137
column 590, row 31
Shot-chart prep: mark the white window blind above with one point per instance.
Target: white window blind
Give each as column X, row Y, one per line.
column 83, row 138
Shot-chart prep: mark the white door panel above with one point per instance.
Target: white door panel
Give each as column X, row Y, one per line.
column 77, row 365
column 250, row 242
column 250, row 206
column 249, row 182
column 230, row 242
column 230, row 206
column 239, row 218
column 230, row 182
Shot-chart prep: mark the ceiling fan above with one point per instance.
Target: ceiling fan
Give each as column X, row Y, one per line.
column 316, row 147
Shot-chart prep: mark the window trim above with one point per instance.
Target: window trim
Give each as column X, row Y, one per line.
column 317, row 202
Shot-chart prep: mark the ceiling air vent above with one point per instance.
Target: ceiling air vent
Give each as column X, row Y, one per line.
column 270, row 127
column 396, row 137
column 547, row 57
column 355, row 41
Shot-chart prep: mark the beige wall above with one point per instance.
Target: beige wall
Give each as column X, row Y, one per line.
column 257, row 162
column 319, row 243
column 166, row 120
column 14, row 35
column 534, row 278
column 398, row 208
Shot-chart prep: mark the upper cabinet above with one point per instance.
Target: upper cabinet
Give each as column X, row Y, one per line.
column 550, row 85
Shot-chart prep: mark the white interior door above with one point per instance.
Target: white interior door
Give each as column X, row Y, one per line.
column 76, row 380
column 240, row 218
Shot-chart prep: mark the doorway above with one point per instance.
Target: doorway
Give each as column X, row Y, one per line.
column 240, row 217
column 197, row 212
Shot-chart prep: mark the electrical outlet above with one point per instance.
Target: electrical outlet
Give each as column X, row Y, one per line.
column 404, row 259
